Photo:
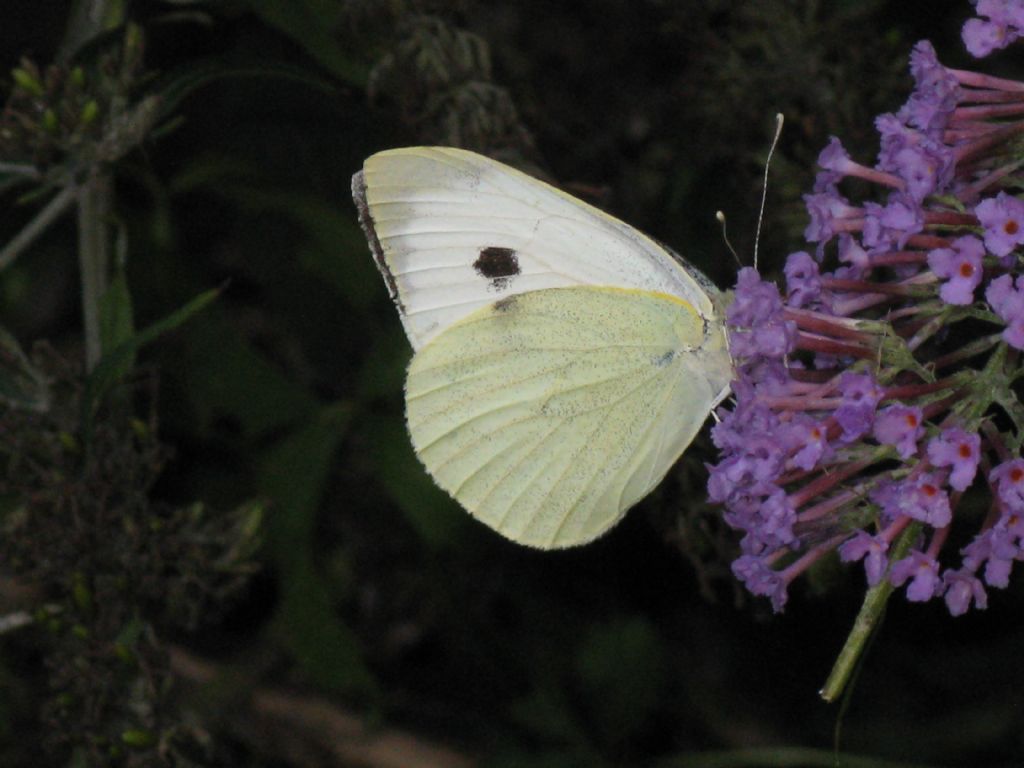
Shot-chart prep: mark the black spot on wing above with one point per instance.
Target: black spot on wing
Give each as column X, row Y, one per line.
column 497, row 264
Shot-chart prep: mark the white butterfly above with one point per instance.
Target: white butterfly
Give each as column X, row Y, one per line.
column 563, row 359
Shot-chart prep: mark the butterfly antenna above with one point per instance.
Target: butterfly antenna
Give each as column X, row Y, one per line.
column 725, row 236
column 764, row 185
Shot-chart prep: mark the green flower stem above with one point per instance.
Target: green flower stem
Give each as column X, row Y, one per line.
column 926, row 332
column 967, row 351
column 37, row 226
column 94, row 201
column 871, row 613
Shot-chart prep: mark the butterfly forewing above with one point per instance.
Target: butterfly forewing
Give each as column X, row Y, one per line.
column 453, row 231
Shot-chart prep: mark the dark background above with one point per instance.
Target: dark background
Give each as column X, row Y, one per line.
column 376, row 597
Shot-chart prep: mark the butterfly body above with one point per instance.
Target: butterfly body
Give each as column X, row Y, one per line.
column 563, row 359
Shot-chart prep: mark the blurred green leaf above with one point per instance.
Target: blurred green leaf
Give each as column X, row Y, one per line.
column 294, row 475
column 383, row 373
column 111, row 364
column 436, row 518
column 334, row 248
column 182, row 83
column 310, row 24
column 212, row 170
column 22, row 385
column 226, row 377
column 621, row 666
column 547, row 713
column 116, row 324
column 87, row 21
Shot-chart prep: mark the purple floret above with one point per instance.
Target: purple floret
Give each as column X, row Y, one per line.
column 922, row 571
column 935, row 95
column 834, row 157
column 1001, row 25
column 982, row 37
column 1009, row 481
column 808, row 437
column 960, row 266
column 825, row 209
column 1006, row 298
column 919, row 497
column 925, row 164
column 872, row 549
column 1002, row 217
column 900, row 426
column 760, row 579
column 756, row 316
column 959, row 450
column 856, row 414
column 997, row 549
column 888, row 227
column 803, row 280
column 851, row 253
column 962, row 587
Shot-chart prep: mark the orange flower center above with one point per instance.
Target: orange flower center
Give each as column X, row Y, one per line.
column 966, row 270
column 1011, row 227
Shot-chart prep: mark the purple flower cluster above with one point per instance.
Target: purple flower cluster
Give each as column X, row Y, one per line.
column 876, row 403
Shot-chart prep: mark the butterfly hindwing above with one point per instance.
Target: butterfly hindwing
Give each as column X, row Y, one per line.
column 548, row 414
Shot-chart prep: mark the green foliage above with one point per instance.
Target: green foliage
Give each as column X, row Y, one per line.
column 312, row 24
column 116, row 318
column 112, row 564
column 436, row 519
column 113, row 366
column 294, row 476
column 22, row 384
column 622, row 668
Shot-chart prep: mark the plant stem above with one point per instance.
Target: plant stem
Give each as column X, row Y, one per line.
column 866, row 622
column 94, row 200
column 87, row 20
column 37, row 226
column 20, row 169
